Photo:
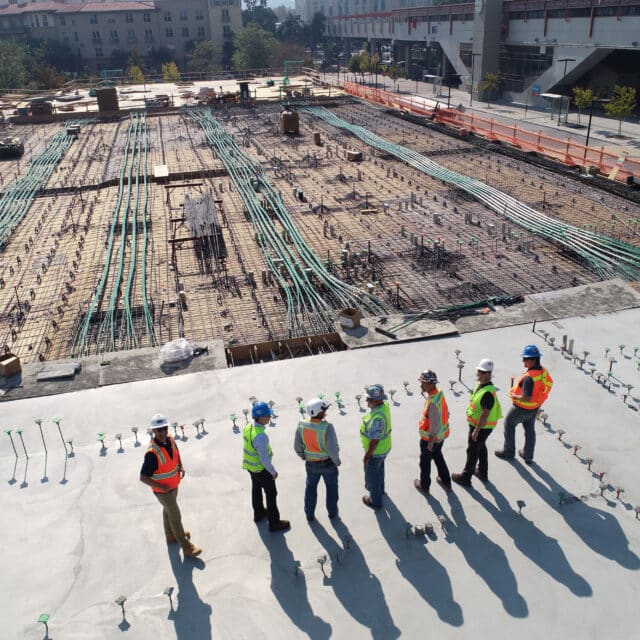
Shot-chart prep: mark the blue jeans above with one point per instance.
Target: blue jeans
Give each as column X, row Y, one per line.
column 329, row 472
column 374, row 479
column 526, row 417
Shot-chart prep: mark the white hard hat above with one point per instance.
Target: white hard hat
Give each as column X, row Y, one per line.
column 485, row 365
column 316, row 406
column 158, row 421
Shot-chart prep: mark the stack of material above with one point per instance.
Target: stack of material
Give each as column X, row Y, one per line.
column 289, row 122
column 200, row 215
column 107, row 99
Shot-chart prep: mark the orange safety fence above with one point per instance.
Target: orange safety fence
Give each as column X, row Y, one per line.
column 567, row 151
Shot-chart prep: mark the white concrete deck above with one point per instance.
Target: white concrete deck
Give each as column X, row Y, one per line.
column 568, row 570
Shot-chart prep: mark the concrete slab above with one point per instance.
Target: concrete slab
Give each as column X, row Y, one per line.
column 85, row 531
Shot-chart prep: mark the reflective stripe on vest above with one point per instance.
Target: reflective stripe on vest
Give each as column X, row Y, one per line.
column 250, row 457
column 474, row 410
column 437, row 399
column 168, row 471
column 542, row 383
column 384, row 444
column 314, row 440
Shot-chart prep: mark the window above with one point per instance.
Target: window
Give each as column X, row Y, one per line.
column 65, row 36
column 146, row 16
column 93, row 19
column 168, row 32
column 111, row 20
column 99, row 53
column 226, row 31
column 148, row 34
column 45, row 21
column 167, row 16
column 62, row 21
column 185, row 32
column 183, row 14
column 95, row 35
column 128, row 17
column 201, row 32
column 75, row 36
column 114, row 34
column 199, row 15
column 131, row 34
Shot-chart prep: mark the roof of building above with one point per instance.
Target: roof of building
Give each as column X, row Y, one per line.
column 552, row 545
column 84, row 7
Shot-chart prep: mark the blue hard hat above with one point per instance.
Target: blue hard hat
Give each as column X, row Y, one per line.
column 531, row 351
column 260, row 410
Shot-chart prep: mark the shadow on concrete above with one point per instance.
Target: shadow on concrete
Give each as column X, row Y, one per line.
column 541, row 549
column 427, row 576
column 192, row 617
column 357, row 589
column 290, row 589
column 486, row 558
column 597, row 528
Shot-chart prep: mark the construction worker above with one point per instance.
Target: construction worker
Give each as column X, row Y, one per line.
column 433, row 429
column 375, row 435
column 316, row 443
column 483, row 414
column 162, row 470
column 256, row 459
column 527, row 394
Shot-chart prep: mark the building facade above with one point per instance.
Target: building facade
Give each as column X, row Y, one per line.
column 96, row 31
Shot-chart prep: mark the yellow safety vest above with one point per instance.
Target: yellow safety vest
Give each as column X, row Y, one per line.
column 250, row 457
column 474, row 410
column 384, row 444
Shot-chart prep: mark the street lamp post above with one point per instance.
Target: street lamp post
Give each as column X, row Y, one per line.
column 564, row 75
column 473, row 60
column 449, row 77
column 586, row 144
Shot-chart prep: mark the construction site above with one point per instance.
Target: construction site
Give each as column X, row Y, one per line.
column 259, row 224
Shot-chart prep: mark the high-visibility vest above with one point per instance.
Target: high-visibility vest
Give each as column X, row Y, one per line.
column 168, row 471
column 250, row 457
column 384, row 444
column 314, row 440
column 474, row 410
column 542, row 383
column 436, row 399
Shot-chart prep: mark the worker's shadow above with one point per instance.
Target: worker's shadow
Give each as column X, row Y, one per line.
column 427, row 576
column 486, row 558
column 597, row 528
column 192, row 616
column 541, row 549
column 290, row 588
column 357, row 589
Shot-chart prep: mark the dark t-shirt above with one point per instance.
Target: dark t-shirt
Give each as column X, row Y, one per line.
column 526, row 388
column 487, row 401
column 150, row 464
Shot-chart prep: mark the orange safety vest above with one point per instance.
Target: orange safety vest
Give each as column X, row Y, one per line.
column 542, row 383
column 436, row 398
column 168, row 471
column 314, row 438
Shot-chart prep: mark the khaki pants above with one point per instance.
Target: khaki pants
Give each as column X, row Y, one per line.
column 171, row 517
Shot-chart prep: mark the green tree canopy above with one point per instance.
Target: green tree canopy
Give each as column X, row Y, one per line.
column 263, row 16
column 206, row 56
column 622, row 104
column 254, row 47
column 135, row 75
column 582, row 99
column 315, row 31
column 291, row 29
column 13, row 72
column 490, row 83
column 170, row 72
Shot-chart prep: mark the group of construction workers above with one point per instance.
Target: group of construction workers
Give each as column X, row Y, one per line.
column 316, row 443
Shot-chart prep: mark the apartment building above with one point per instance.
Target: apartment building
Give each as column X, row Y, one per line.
column 95, row 30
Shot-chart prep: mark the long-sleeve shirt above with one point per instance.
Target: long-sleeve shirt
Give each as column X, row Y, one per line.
column 332, row 444
column 261, row 445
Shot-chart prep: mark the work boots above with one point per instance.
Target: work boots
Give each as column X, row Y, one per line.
column 191, row 551
column 171, row 539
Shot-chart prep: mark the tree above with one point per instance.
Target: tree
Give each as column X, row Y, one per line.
column 394, row 72
column 157, row 57
column 489, row 84
column 315, row 31
column 135, row 75
column 13, row 72
column 254, row 47
column 291, row 29
column 354, row 63
column 205, row 57
column 263, row 16
column 582, row 99
column 170, row 72
column 622, row 104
